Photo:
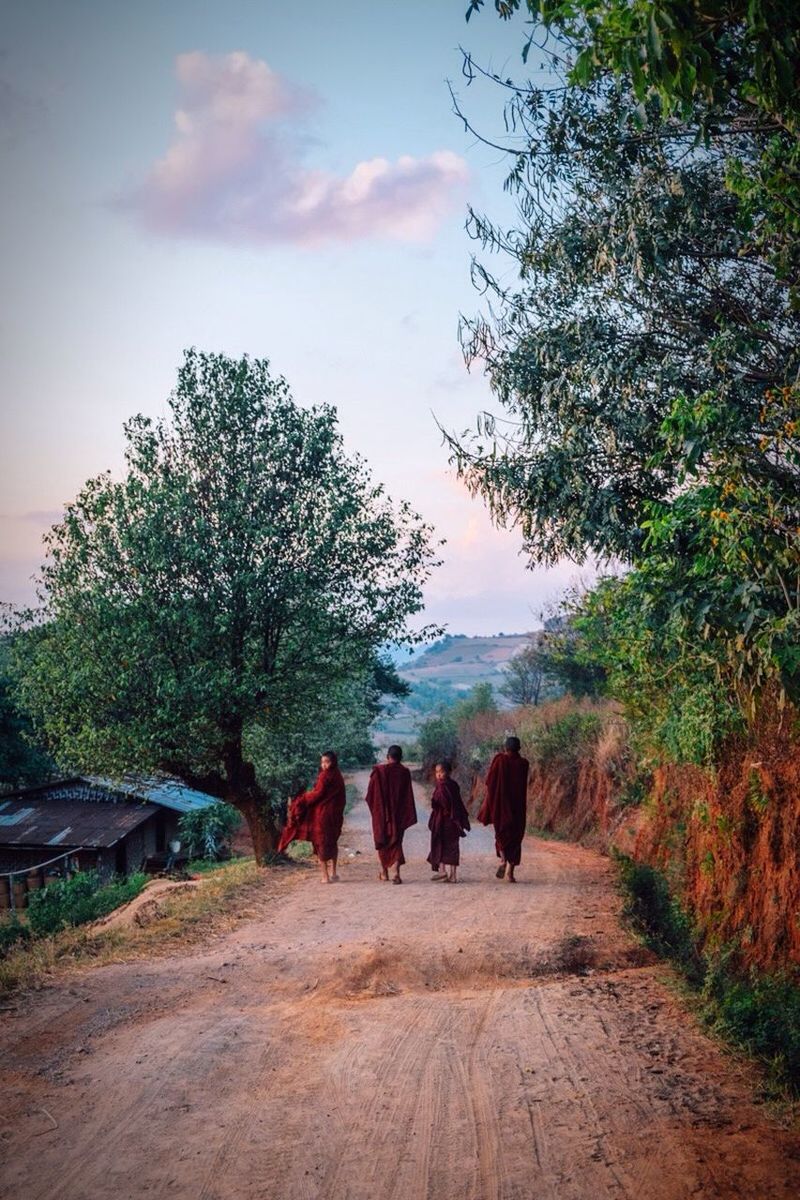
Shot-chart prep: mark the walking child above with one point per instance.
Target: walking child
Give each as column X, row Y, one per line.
column 448, row 823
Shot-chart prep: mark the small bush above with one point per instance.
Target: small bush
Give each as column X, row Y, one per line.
column 78, row 900
column 761, row 1013
column 635, row 791
column 12, row 933
column 568, row 738
column 207, row 832
column 657, row 916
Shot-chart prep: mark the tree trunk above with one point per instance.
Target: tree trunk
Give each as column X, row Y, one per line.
column 261, row 823
column 237, row 786
column 244, row 792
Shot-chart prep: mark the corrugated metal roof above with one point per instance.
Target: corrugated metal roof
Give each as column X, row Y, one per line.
column 170, row 793
column 69, row 822
column 167, row 793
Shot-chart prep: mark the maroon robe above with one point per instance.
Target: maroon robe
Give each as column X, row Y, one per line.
column 317, row 816
column 390, row 798
column 505, row 805
column 448, row 823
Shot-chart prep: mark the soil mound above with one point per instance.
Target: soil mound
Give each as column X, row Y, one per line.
column 144, row 908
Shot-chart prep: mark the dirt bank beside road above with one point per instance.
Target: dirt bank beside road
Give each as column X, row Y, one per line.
column 369, row 1042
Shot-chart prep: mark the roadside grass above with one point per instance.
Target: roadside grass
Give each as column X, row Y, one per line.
column 226, row 894
column 754, row 1012
column 545, row 835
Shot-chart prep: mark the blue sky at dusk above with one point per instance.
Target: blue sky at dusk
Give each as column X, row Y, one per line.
column 283, row 180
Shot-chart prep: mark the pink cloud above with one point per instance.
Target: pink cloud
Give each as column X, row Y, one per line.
column 235, row 170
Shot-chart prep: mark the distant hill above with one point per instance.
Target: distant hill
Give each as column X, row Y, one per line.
column 443, row 673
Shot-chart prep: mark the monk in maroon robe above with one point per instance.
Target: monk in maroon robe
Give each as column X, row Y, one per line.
column 505, row 805
column 317, row 817
column 448, row 823
column 390, row 798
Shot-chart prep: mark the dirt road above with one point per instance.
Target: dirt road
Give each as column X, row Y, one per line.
column 370, row 1042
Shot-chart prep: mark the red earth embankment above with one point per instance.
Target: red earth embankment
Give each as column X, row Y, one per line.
column 726, row 839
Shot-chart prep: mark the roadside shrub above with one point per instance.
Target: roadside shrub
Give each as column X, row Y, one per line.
column 438, row 738
column 657, row 916
column 759, row 1012
column 12, row 933
column 207, row 832
column 568, row 738
column 78, row 900
column 445, row 735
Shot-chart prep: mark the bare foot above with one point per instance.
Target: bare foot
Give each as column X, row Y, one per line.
column 510, row 879
column 334, row 879
column 438, row 878
column 384, row 876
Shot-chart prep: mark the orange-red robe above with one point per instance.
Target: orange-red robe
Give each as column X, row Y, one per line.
column 390, row 798
column 317, row 816
column 505, row 805
column 448, row 823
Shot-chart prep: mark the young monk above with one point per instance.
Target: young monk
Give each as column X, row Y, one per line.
column 448, row 823
column 505, row 805
column 317, row 817
column 390, row 798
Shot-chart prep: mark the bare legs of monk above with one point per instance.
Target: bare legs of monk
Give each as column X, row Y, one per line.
column 505, row 871
column 394, row 867
column 327, row 870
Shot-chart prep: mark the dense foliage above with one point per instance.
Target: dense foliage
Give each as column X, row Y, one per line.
column 78, row 900
column 207, row 832
column 23, row 760
column 233, row 587
column 438, row 738
column 647, row 359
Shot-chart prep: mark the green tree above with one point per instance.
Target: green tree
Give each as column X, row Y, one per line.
column 524, row 676
column 646, row 363
column 23, row 760
column 438, row 736
column 722, row 67
column 243, row 571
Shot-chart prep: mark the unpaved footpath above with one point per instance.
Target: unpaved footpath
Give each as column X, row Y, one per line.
column 370, row 1042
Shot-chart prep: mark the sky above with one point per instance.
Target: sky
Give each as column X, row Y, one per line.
column 286, row 181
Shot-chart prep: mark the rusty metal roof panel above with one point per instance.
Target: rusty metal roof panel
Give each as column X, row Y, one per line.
column 49, row 822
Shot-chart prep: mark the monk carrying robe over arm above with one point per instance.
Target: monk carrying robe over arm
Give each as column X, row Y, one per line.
column 317, row 817
column 506, row 805
column 390, row 799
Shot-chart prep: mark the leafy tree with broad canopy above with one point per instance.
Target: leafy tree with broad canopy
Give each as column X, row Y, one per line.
column 647, row 360
column 228, row 590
